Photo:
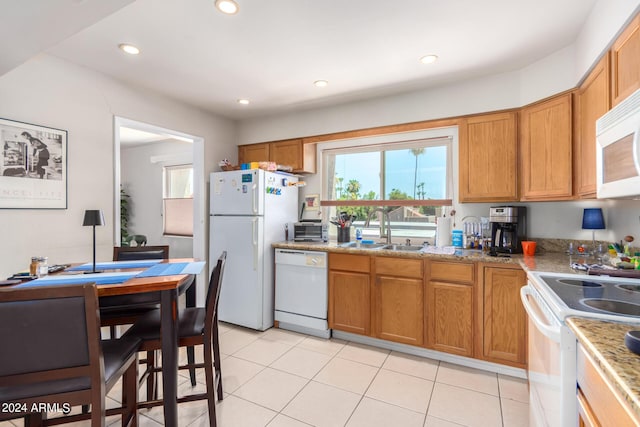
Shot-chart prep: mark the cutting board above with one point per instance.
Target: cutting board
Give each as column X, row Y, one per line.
column 634, row 274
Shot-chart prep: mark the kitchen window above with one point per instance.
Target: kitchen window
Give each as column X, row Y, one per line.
column 411, row 179
column 178, row 201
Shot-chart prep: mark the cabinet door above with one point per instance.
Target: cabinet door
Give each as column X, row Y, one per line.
column 546, row 150
column 399, row 311
column 592, row 101
column 488, row 158
column 253, row 153
column 301, row 157
column 625, row 62
column 504, row 318
column 350, row 293
column 450, row 318
column 349, row 302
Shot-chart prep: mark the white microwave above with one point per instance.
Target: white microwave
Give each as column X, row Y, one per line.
column 618, row 150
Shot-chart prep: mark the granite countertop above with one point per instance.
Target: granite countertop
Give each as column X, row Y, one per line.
column 604, row 341
column 554, row 262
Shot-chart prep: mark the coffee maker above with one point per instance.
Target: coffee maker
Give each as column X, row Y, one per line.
column 508, row 229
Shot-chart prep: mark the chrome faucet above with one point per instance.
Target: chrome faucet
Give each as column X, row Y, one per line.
column 385, row 214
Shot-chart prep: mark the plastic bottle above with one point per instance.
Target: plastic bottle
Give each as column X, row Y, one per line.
column 358, row 237
column 456, row 238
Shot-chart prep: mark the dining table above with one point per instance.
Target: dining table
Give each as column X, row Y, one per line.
column 170, row 282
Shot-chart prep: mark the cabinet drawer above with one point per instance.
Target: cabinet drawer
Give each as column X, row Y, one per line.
column 601, row 397
column 399, row 267
column 450, row 271
column 358, row 263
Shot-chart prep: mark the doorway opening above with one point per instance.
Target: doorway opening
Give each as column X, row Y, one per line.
column 141, row 149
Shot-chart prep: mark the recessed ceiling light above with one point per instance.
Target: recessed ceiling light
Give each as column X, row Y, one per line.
column 229, row 7
column 243, row 101
column 129, row 48
column 321, row 83
column 429, row 59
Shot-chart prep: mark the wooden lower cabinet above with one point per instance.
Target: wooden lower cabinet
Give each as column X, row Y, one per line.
column 598, row 402
column 398, row 309
column 503, row 336
column 465, row 308
column 450, row 307
column 350, row 293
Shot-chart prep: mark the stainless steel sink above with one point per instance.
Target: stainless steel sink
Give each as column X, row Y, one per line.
column 363, row 245
column 402, row 248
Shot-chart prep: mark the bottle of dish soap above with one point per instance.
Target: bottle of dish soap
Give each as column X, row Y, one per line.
column 358, row 237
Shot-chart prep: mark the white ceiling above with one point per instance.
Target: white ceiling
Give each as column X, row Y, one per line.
column 272, row 51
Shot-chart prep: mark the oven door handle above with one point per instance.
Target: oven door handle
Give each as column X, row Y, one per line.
column 537, row 317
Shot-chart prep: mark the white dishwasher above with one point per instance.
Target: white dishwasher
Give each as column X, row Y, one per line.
column 301, row 291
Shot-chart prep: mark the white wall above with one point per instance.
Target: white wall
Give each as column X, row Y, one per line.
column 142, row 180
column 52, row 92
column 559, row 71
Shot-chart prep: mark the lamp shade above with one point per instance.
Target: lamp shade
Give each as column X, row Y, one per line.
column 93, row 217
column 593, row 219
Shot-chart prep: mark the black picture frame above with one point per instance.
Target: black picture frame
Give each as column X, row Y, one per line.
column 33, row 166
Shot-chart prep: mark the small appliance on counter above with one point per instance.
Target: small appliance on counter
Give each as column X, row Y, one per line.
column 508, row 229
column 310, row 232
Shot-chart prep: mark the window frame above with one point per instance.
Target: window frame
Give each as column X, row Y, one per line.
column 165, row 196
column 404, row 140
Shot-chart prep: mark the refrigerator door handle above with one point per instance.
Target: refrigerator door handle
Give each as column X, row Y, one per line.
column 254, row 225
column 254, row 206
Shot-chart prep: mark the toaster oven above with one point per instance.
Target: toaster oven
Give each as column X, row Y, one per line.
column 310, row 232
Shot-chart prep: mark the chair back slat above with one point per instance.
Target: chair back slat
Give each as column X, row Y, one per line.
column 215, row 283
column 124, row 253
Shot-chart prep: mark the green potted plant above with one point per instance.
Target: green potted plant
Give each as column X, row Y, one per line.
column 124, row 218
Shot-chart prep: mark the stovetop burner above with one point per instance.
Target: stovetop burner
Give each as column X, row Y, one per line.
column 631, row 288
column 613, row 306
column 584, row 283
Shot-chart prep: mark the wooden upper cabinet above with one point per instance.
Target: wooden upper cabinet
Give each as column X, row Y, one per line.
column 592, row 100
column 488, row 158
column 546, row 149
column 253, row 153
column 625, row 62
column 294, row 152
column 300, row 156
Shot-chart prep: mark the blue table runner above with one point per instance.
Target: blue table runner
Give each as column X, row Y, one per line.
column 116, row 264
column 170, row 269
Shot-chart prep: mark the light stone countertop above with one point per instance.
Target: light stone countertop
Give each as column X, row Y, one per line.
column 604, row 341
column 547, row 261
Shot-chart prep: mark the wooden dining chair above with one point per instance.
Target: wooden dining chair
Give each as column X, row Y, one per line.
column 196, row 326
column 125, row 309
column 52, row 355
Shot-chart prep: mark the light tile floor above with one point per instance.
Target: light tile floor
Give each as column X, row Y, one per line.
column 279, row 378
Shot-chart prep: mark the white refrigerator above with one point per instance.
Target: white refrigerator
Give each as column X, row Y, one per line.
column 248, row 212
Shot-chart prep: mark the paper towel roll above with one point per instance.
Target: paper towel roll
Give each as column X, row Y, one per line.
column 443, row 231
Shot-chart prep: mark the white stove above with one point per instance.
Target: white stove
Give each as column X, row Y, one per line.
column 549, row 298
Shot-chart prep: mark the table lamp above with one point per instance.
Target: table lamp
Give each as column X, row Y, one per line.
column 93, row 218
column 593, row 219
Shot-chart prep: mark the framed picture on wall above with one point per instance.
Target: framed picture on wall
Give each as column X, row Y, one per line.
column 33, row 166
